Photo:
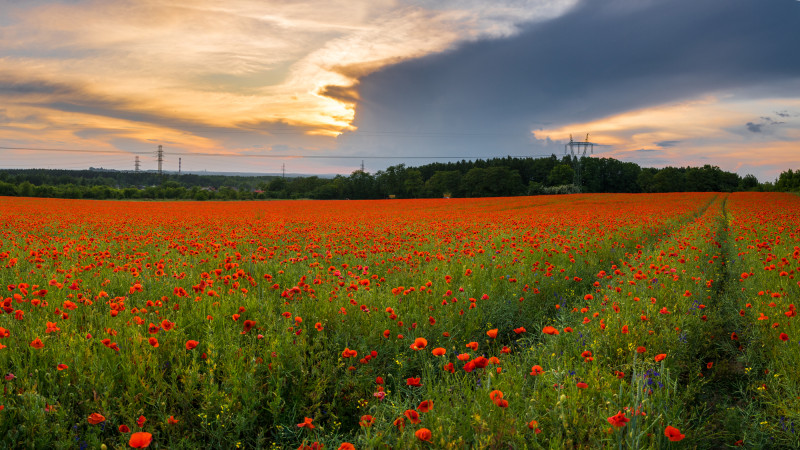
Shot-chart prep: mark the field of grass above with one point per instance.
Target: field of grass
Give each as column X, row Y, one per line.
column 580, row 321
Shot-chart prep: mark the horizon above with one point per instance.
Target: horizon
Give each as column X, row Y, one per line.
column 319, row 86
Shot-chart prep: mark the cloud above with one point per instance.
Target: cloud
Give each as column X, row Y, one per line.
column 664, row 144
column 598, row 60
column 754, row 127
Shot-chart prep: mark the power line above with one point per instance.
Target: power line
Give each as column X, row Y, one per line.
column 261, row 155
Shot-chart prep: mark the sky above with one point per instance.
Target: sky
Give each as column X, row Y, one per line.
column 320, row 86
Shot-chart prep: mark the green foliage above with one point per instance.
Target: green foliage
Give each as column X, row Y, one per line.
column 496, row 177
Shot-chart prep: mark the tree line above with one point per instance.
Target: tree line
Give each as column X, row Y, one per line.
column 494, row 177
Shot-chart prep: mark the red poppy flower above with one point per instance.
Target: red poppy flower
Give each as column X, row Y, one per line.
column 191, row 344
column 660, row 357
column 625, row 329
column 640, row 349
column 419, row 344
column 347, row 446
column 492, row 333
column 423, row 434
column 140, row 439
column 520, row 330
column 318, row 326
column 537, row 370
column 167, row 325
column 710, row 365
column 582, row 385
column 673, row 433
column 123, row 428
column 37, row 343
column 95, row 418
column 480, row 362
column 248, row 325
column 306, row 423
column 153, row 341
column 618, row 419
column 549, row 330
column 62, row 367
column 366, row 421
column 425, row 406
column 473, row 346
column 415, row 382
column 412, row 416
column 438, row 351
column 784, row 337
column 140, row 421
column 172, row 420
column 400, row 423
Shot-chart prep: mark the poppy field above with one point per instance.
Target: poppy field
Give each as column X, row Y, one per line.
column 578, row 321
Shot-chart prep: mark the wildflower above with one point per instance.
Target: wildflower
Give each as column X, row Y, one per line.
column 400, row 423
column 248, row 324
column 172, row 420
column 153, row 341
column 660, row 357
column 140, row 421
column 124, row 428
column 533, row 425
column 497, row 398
column 37, row 343
column 673, row 433
column 423, row 434
column 366, row 421
column 319, row 327
column 191, row 344
column 549, row 330
column 62, row 367
column 784, row 337
column 520, row 330
column 640, row 349
column 306, row 423
column 582, row 385
column 618, row 420
column 537, row 370
column 347, row 446
column 140, row 439
column 95, row 418
column 419, row 344
column 438, row 351
column 414, row 382
column 425, row 406
column 473, row 346
column 492, row 333
column 412, row 416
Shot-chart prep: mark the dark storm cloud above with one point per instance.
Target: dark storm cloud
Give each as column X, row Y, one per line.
column 754, row 127
column 601, row 58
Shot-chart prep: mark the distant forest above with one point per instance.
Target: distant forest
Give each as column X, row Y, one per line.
column 481, row 178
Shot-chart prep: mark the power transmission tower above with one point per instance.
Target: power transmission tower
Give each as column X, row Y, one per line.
column 136, row 164
column 283, row 170
column 179, row 166
column 578, row 151
column 362, row 165
column 160, row 157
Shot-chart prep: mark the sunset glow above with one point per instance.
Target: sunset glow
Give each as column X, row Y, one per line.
column 326, row 78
